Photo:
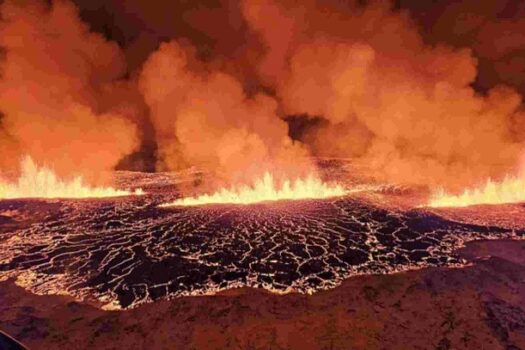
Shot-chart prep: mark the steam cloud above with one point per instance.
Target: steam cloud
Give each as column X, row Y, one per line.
column 217, row 95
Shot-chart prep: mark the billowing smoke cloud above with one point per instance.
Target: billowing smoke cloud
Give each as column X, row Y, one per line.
column 405, row 109
column 227, row 74
column 204, row 118
column 492, row 28
column 61, row 100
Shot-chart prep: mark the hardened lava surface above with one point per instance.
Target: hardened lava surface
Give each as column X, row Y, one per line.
column 123, row 252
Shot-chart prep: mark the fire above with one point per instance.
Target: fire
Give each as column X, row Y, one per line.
column 510, row 190
column 266, row 189
column 41, row 182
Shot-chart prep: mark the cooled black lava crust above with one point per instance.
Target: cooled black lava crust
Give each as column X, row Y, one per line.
column 128, row 251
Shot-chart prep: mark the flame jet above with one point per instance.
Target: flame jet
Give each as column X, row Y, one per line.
column 41, row 182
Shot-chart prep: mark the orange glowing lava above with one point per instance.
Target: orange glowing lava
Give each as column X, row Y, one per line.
column 41, row 182
column 266, row 189
column 510, row 190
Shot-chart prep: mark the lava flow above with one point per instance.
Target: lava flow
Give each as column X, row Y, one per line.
column 266, row 189
column 510, row 190
column 41, row 182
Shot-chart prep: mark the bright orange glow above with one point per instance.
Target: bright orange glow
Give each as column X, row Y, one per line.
column 265, row 189
column 510, row 190
column 35, row 182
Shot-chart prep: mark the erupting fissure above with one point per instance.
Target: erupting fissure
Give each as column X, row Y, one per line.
column 41, row 182
column 510, row 190
column 266, row 189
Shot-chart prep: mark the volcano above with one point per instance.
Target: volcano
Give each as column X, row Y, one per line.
column 262, row 174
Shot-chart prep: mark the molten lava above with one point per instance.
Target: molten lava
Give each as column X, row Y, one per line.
column 36, row 182
column 266, row 189
column 510, row 190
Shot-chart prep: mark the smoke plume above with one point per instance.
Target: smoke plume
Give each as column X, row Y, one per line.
column 217, row 79
column 492, row 28
column 204, row 118
column 61, row 100
column 406, row 109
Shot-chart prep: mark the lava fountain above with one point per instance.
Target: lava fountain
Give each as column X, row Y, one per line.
column 509, row 190
column 42, row 182
column 266, row 189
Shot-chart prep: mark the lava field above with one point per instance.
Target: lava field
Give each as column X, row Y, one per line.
column 122, row 252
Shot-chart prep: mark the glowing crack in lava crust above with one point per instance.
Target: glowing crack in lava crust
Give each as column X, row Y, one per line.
column 509, row 190
column 41, row 182
column 266, row 189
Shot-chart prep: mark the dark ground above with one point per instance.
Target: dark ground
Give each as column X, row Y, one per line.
column 477, row 307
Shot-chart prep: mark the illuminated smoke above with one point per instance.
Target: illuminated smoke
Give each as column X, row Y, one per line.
column 219, row 86
column 205, row 118
column 406, row 109
column 55, row 76
column 492, row 28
